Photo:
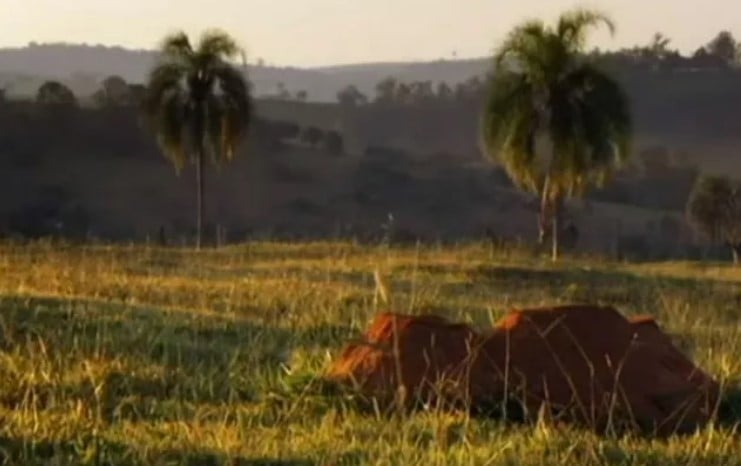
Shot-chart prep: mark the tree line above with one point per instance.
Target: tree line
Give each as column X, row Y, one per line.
column 115, row 93
column 723, row 52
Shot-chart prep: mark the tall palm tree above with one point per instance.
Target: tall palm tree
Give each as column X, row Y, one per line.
column 555, row 121
column 199, row 104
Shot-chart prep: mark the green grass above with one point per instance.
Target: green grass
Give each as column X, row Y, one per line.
column 136, row 355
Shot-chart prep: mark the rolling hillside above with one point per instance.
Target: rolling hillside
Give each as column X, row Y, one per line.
column 22, row 70
column 419, row 162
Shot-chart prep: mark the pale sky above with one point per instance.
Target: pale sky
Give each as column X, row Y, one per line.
column 324, row 32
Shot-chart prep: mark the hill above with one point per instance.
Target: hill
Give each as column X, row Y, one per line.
column 413, row 157
column 97, row 173
column 82, row 67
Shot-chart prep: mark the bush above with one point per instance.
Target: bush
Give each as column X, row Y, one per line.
column 714, row 209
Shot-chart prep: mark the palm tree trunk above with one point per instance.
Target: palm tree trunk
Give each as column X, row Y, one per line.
column 544, row 214
column 736, row 249
column 556, row 225
column 199, row 200
column 199, row 125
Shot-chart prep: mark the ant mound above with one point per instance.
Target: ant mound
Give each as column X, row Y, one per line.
column 584, row 365
column 591, row 366
column 420, row 358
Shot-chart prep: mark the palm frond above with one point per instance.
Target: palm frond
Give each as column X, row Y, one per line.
column 165, row 78
column 235, row 89
column 224, row 130
column 172, row 123
column 233, row 128
column 235, row 92
column 215, row 49
column 217, row 43
column 606, row 111
column 177, row 47
column 523, row 44
column 607, row 116
column 572, row 27
column 510, row 125
column 229, row 112
column 590, row 127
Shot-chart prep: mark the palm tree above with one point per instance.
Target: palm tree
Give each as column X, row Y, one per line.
column 555, row 121
column 199, row 104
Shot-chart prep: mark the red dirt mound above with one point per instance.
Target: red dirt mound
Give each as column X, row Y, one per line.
column 434, row 357
column 648, row 332
column 589, row 365
column 592, row 366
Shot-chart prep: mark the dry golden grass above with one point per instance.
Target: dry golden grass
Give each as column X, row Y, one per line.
column 138, row 355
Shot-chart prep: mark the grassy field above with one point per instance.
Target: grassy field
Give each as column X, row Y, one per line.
column 136, row 355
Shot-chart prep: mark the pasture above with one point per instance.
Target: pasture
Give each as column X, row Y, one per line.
column 144, row 355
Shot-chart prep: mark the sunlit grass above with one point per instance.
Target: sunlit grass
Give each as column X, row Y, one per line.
column 140, row 355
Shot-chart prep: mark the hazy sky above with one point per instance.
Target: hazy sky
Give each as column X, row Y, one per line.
column 320, row 32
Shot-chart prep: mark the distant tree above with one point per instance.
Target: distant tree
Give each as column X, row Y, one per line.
column 470, row 89
column 114, row 91
column 282, row 130
column 99, row 98
column 657, row 53
column 386, row 90
column 334, row 143
column 444, row 91
column 137, row 94
column 283, row 91
column 403, row 94
column 302, row 96
column 704, row 59
column 673, row 60
column 422, row 91
column 312, row 136
column 659, row 46
column 700, row 53
column 545, row 86
column 460, row 92
column 117, row 90
column 55, row 93
column 714, row 209
column 350, row 96
column 724, row 46
column 199, row 104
